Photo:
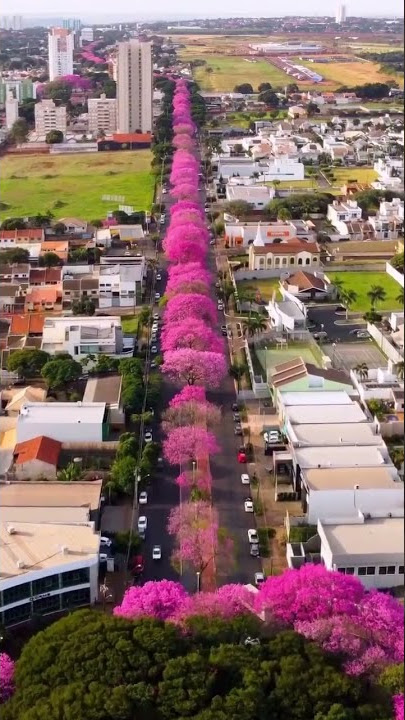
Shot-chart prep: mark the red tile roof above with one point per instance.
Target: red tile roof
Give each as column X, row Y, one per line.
column 45, row 275
column 132, row 137
column 27, row 324
column 292, row 247
column 38, row 448
column 305, row 281
column 44, row 293
column 31, row 233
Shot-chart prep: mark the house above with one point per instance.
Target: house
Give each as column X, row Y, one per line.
column 36, row 458
column 283, row 256
column 336, row 149
column 45, row 276
column 298, row 408
column 280, row 169
column 376, row 383
column 46, row 568
column 300, row 376
column 307, row 286
column 12, row 298
column 15, row 273
column 18, row 238
column 76, row 285
column 388, row 223
column 390, row 171
column 121, row 285
column 244, row 233
column 107, row 389
column 30, row 325
column 311, row 151
column 368, row 547
column 15, row 398
column 59, row 247
column 287, row 316
column 80, row 336
column 76, row 494
column 340, row 213
column 296, row 111
column 74, row 226
column 255, row 195
column 78, row 423
column 43, row 298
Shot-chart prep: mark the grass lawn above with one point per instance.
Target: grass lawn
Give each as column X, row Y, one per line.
column 351, row 73
column 307, row 184
column 240, row 119
column 223, row 72
column 130, row 324
column 271, row 356
column 362, row 175
column 265, row 287
column 361, row 283
column 72, row 185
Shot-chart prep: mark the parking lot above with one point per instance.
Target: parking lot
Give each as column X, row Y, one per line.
column 345, row 356
column 324, row 319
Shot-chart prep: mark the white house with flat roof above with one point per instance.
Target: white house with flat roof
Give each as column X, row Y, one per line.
column 256, row 195
column 68, row 422
column 80, row 336
column 359, row 434
column 46, row 568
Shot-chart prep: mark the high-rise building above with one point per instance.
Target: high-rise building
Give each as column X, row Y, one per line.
column 71, row 24
column 86, row 35
column 134, row 87
column 11, row 110
column 49, row 117
column 60, row 50
column 11, row 22
column 341, row 13
column 21, row 89
column 102, row 114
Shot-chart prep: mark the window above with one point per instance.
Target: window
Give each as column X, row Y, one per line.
column 366, row 570
column 76, row 598
column 45, row 585
column 401, row 570
column 17, row 614
column 75, row 577
column 299, row 261
column 371, row 570
column 46, row 604
column 292, row 261
column 346, row 571
column 307, row 261
column 284, row 259
column 16, row 593
column 391, row 570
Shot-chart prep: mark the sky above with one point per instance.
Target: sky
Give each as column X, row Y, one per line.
column 179, row 9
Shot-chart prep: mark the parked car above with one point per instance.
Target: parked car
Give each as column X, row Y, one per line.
column 156, row 552
column 137, row 565
column 220, row 306
column 236, row 417
column 259, row 578
column 212, row 242
column 143, row 498
column 157, row 296
column 102, row 557
column 234, row 407
column 255, row 550
column 238, row 430
column 249, row 507
column 156, row 316
column 245, row 479
column 154, row 349
column 154, row 364
column 322, row 335
column 253, row 536
column 158, row 276
column 224, row 330
column 105, row 541
column 148, row 437
column 363, row 335
column 142, row 523
column 242, row 457
column 271, row 437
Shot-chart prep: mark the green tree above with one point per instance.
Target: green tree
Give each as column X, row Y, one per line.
column 59, row 228
column 54, row 137
column 83, row 306
column 253, row 325
column 123, row 474
column 131, row 366
column 132, row 395
column 348, row 297
column 28, row 363
column 244, row 88
column 14, row 224
column 362, row 370
column 376, row 294
column 61, row 370
column 19, row 131
column 264, row 86
column 397, row 261
column 270, row 98
column 71, row 473
column 400, row 297
column 104, row 364
column 15, row 255
column 284, row 214
column 128, row 445
column 49, row 259
column 58, row 90
column 238, row 371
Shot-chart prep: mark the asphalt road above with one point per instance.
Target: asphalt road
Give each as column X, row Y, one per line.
column 327, row 317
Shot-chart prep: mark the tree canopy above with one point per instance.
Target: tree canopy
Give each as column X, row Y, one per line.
column 95, row 666
column 28, row 363
column 61, row 370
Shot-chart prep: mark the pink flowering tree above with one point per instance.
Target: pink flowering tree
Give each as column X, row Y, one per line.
column 184, row 444
column 7, row 669
column 185, row 251
column 226, row 602
column 189, row 305
column 203, row 413
column 398, row 701
column 187, row 232
column 190, row 393
column 195, row 367
column 186, row 191
column 191, row 334
column 161, row 600
column 195, row 480
column 185, row 142
column 199, row 539
column 184, row 127
column 187, row 216
column 186, row 206
column 188, row 275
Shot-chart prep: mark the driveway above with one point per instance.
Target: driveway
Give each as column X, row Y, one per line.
column 326, row 316
column 345, row 356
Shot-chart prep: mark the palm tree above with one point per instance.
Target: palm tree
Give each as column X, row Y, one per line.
column 247, row 295
column 400, row 370
column 254, row 324
column 275, row 184
column 339, row 286
column 362, row 370
column 348, row 298
column 376, row 294
column 70, row 473
column 237, row 371
column 400, row 297
column 227, row 290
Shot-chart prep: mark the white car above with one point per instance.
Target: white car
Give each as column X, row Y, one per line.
column 107, row 542
column 245, row 479
column 253, row 536
column 249, row 508
column 259, row 578
column 153, row 364
column 148, row 437
column 162, row 220
column 363, row 334
column 158, row 276
column 142, row 523
column 164, row 191
column 143, row 498
column 157, row 296
column 102, row 557
column 156, row 552
column 154, row 350
column 156, row 316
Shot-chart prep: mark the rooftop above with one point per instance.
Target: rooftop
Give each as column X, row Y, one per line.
column 290, row 247
column 339, row 397
column 103, row 389
column 51, row 494
column 18, row 396
column 44, row 293
column 61, row 413
column 27, row 324
column 287, row 372
column 36, row 547
column 66, row 515
column 381, row 540
column 39, row 448
column 340, row 479
column 335, row 434
column 305, row 281
column 348, row 456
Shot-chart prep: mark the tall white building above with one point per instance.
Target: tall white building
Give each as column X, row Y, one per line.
column 60, row 51
column 134, row 87
column 102, row 114
column 341, row 13
column 11, row 110
column 86, row 35
column 49, row 117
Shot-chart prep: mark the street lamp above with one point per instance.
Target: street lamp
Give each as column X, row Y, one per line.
column 333, row 354
column 137, row 479
column 198, row 581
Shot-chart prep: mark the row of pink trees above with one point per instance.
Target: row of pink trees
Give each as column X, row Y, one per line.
column 193, row 352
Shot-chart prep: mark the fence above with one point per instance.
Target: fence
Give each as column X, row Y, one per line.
column 398, row 276
column 384, row 342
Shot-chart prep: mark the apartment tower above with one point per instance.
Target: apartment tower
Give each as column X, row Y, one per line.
column 134, row 87
column 60, row 51
column 341, row 13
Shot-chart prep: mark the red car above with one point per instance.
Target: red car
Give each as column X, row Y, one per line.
column 242, row 457
column 137, row 565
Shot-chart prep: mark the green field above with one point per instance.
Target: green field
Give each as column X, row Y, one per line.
column 222, row 72
column 265, row 287
column 130, row 324
column 73, row 185
column 272, row 356
column 351, row 73
column 362, row 175
column 361, row 283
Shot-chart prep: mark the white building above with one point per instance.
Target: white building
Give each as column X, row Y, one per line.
column 389, row 220
column 282, row 169
column 11, row 110
column 102, row 114
column 86, row 35
column 22, row 88
column 67, row 422
column 49, row 116
column 340, row 213
column 134, row 87
column 256, row 195
column 390, row 171
column 341, row 13
column 80, row 336
column 46, row 568
column 239, row 234
column 121, row 285
column 60, row 52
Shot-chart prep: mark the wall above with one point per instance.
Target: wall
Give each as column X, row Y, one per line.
column 390, row 429
column 399, row 277
column 280, row 272
column 384, row 344
column 323, row 503
column 35, row 469
column 64, row 432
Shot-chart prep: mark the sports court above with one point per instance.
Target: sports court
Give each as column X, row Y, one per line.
column 345, row 356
